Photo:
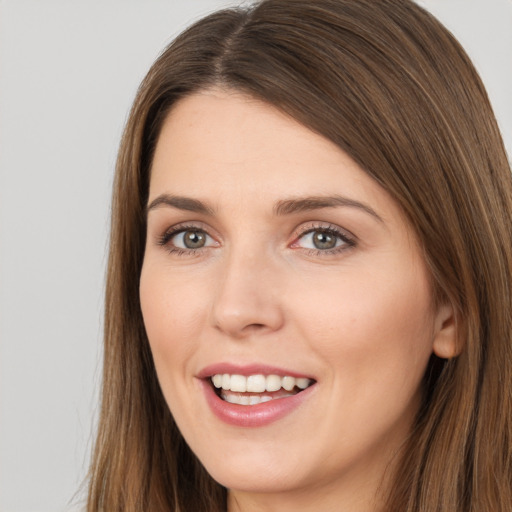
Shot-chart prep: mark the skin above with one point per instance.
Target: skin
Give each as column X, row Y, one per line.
column 358, row 318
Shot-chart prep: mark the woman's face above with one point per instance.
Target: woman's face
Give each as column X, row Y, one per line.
column 273, row 262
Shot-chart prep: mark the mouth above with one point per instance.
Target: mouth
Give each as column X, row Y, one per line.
column 257, row 389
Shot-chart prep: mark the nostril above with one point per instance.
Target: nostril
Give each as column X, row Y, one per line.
column 255, row 327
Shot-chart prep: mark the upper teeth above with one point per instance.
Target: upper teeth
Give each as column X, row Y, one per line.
column 258, row 383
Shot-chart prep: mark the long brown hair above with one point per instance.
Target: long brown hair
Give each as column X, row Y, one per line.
column 389, row 85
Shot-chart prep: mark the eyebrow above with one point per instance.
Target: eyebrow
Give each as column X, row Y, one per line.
column 303, row 204
column 181, row 203
column 281, row 208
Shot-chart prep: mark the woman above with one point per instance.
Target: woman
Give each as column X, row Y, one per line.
column 309, row 288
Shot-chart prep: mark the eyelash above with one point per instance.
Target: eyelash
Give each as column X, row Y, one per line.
column 348, row 241
column 164, row 240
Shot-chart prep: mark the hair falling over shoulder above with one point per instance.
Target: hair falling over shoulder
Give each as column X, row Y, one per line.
column 389, row 85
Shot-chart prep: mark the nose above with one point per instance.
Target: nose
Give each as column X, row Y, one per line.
column 247, row 300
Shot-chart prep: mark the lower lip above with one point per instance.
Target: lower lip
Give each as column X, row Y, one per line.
column 253, row 415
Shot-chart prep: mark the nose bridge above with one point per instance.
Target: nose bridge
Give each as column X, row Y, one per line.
column 246, row 299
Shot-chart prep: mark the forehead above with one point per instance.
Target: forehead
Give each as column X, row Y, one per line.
column 223, row 147
column 238, row 131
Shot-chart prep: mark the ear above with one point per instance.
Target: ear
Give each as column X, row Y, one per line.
column 445, row 344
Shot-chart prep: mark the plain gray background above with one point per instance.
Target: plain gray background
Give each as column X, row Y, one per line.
column 69, row 70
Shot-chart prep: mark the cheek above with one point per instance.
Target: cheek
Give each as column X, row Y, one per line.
column 372, row 324
column 374, row 337
column 173, row 313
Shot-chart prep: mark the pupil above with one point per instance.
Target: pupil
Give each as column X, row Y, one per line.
column 194, row 239
column 323, row 240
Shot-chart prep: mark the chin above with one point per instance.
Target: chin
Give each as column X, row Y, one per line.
column 254, row 470
column 255, row 480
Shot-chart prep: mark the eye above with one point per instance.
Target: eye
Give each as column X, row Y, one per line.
column 320, row 240
column 324, row 239
column 186, row 239
column 190, row 239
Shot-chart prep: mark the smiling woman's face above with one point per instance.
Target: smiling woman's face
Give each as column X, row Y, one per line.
column 274, row 262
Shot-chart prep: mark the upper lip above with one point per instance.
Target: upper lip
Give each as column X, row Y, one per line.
column 249, row 369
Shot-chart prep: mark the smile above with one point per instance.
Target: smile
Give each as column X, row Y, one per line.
column 257, row 389
column 255, row 395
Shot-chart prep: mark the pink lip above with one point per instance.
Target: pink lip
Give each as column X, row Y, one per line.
column 251, row 369
column 250, row 415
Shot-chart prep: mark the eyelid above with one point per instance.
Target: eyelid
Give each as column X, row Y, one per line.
column 349, row 240
column 181, row 227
